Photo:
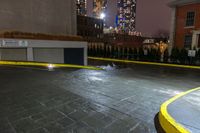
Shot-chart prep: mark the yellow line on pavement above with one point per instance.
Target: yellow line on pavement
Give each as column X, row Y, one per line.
column 167, row 122
column 145, row 63
column 21, row 63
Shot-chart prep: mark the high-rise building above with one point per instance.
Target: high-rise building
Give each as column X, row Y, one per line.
column 99, row 8
column 126, row 16
column 81, row 7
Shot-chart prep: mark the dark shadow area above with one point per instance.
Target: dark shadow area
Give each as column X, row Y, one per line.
column 158, row 127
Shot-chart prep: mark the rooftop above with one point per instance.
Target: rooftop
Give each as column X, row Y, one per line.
column 39, row 36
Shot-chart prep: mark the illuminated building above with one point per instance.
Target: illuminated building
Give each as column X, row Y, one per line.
column 81, row 7
column 99, row 8
column 126, row 17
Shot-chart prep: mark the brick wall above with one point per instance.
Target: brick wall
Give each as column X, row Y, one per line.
column 181, row 30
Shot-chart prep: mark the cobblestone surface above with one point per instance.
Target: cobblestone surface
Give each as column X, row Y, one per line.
column 117, row 100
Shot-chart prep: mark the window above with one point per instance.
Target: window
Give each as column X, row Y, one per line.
column 188, row 41
column 190, row 19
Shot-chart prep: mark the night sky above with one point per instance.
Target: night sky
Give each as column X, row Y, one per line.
column 152, row 15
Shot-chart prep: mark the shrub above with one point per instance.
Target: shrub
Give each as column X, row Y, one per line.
column 120, row 52
column 135, row 53
column 112, row 52
column 183, row 56
column 158, row 55
column 152, row 54
column 104, row 51
column 115, row 52
column 198, row 55
column 141, row 53
column 125, row 52
column 89, row 51
column 131, row 53
column 108, row 52
column 174, row 55
column 97, row 51
column 166, row 56
column 101, row 51
column 93, row 50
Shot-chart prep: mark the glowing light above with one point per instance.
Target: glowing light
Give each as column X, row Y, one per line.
column 102, row 15
column 50, row 66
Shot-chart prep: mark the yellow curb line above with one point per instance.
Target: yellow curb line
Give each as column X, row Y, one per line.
column 167, row 122
column 145, row 63
column 20, row 63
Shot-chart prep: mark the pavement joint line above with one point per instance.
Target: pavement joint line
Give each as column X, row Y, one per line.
column 87, row 124
column 134, row 127
column 191, row 126
column 40, row 64
column 12, row 128
column 145, row 63
column 167, row 122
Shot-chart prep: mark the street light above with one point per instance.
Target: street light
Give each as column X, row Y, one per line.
column 102, row 15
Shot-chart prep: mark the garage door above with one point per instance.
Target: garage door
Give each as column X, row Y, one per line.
column 74, row 56
column 51, row 55
column 13, row 54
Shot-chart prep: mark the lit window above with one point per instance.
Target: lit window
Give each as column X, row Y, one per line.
column 190, row 19
column 188, row 41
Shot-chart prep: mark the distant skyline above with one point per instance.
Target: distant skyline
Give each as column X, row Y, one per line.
column 152, row 16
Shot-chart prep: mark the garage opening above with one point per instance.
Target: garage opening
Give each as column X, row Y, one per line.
column 74, row 56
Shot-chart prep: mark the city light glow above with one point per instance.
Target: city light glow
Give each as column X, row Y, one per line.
column 102, row 15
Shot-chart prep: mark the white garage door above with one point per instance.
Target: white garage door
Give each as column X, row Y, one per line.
column 51, row 55
column 13, row 54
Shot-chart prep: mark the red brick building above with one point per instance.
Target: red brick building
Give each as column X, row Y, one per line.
column 185, row 24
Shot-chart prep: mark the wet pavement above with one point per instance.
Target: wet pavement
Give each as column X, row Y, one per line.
column 186, row 111
column 121, row 99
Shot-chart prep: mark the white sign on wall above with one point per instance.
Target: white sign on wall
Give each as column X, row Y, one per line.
column 23, row 43
column 191, row 53
column 13, row 43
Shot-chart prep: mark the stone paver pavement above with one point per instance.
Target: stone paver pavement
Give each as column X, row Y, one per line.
column 124, row 100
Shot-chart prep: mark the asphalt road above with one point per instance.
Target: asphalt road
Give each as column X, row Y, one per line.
column 121, row 99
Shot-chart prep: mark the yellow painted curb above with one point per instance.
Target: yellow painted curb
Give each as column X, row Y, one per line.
column 167, row 122
column 20, row 63
column 145, row 63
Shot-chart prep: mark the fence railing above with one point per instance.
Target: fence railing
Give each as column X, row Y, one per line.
column 140, row 54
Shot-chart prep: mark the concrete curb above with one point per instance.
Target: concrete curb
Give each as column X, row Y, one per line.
column 167, row 122
column 39, row 64
column 146, row 63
